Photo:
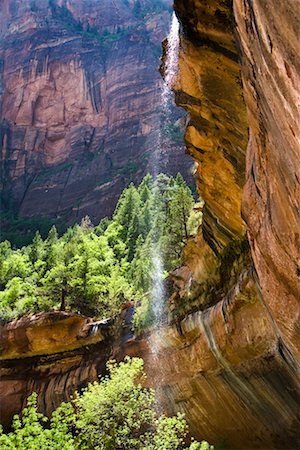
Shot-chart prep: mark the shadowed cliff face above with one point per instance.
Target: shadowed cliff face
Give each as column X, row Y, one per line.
column 269, row 40
column 79, row 103
column 52, row 354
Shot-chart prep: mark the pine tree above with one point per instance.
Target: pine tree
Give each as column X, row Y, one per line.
column 50, row 247
column 37, row 250
column 126, row 209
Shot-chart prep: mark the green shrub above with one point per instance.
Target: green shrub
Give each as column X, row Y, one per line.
column 116, row 413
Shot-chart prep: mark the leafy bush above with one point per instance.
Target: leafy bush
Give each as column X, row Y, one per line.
column 116, row 413
column 34, row 432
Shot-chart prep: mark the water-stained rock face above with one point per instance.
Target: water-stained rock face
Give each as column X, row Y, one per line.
column 209, row 88
column 268, row 35
column 79, row 103
column 52, row 354
column 229, row 372
column 232, row 367
column 253, row 377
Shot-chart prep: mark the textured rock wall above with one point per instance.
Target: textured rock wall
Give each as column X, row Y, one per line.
column 79, row 104
column 52, row 354
column 228, row 372
column 209, row 88
column 251, row 380
column 233, row 367
column 268, row 36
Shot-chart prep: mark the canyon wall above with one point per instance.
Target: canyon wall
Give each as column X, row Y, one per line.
column 268, row 36
column 229, row 355
column 80, row 104
column 240, row 379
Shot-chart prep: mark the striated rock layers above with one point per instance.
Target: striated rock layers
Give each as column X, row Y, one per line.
column 80, row 104
column 52, row 354
column 237, row 376
column 229, row 356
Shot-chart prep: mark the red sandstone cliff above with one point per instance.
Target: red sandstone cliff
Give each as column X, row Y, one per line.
column 79, row 104
column 249, row 391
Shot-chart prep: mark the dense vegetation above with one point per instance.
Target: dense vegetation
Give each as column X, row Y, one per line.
column 94, row 269
column 113, row 414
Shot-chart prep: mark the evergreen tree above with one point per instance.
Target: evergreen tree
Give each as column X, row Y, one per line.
column 56, row 286
column 126, row 209
column 5, row 252
column 37, row 250
column 93, row 270
column 51, row 248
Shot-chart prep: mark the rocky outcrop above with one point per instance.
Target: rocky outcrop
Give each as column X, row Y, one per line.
column 209, row 88
column 80, row 104
column 224, row 367
column 52, row 354
column 227, row 369
column 269, row 41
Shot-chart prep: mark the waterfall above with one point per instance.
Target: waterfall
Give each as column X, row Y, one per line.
column 166, row 94
column 158, row 291
column 171, row 65
column 171, row 69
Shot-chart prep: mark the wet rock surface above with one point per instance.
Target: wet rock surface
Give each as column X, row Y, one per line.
column 269, row 40
column 255, row 365
column 52, row 354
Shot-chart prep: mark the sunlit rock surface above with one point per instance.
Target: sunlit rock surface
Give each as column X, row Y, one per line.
column 228, row 370
column 268, row 34
column 209, row 88
column 80, row 101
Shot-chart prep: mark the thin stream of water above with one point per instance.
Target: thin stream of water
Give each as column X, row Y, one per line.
column 171, row 69
column 158, row 291
column 171, row 65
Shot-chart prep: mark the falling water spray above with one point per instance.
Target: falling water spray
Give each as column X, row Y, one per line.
column 158, row 292
column 171, row 65
column 171, row 69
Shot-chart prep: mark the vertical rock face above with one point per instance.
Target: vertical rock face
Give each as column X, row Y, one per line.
column 79, row 103
column 259, row 380
column 209, row 87
column 232, row 365
column 268, row 35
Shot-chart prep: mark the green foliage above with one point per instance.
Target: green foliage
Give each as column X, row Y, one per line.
column 93, row 270
column 173, row 131
column 116, row 413
column 34, row 432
